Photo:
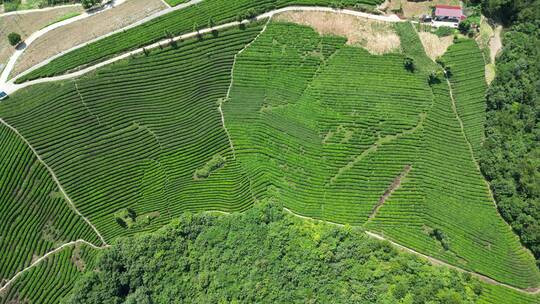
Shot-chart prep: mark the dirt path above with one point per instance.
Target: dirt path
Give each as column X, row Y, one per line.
column 77, row 33
column 220, row 108
column 51, row 172
column 41, row 259
column 15, row 56
column 495, row 43
column 432, row 260
column 146, row 19
column 393, row 187
column 10, row 87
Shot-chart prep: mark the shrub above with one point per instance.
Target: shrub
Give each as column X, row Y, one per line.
column 125, row 217
column 434, row 78
column 14, row 39
column 409, row 64
column 444, row 31
column 440, row 236
column 215, row 163
column 89, row 3
column 465, row 27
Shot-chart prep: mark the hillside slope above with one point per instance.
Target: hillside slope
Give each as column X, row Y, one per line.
column 331, row 129
column 35, row 217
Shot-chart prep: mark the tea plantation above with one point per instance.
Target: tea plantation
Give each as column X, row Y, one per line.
column 269, row 112
column 35, row 217
column 201, row 15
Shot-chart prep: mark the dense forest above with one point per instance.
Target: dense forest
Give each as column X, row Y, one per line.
column 511, row 152
column 265, row 255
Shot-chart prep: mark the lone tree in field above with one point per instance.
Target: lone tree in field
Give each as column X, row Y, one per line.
column 409, row 64
column 89, row 3
column 14, row 39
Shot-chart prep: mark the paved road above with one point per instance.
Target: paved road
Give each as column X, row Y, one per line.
column 20, row 50
column 146, row 19
column 10, row 87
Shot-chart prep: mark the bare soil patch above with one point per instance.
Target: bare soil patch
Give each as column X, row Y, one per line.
column 495, row 43
column 434, row 45
column 77, row 259
column 490, row 72
column 377, row 37
column 393, row 187
column 25, row 25
column 82, row 31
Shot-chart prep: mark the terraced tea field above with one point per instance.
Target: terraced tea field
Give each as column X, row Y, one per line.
column 201, row 15
column 267, row 111
column 333, row 126
column 110, row 153
column 466, row 62
column 52, row 280
column 35, row 216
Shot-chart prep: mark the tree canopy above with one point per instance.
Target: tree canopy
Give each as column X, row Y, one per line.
column 265, row 255
column 511, row 152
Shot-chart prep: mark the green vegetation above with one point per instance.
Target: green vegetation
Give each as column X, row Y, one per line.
column 133, row 134
column 14, row 5
column 53, row 279
column 331, row 128
column 493, row 294
column 35, row 217
column 330, row 131
column 10, row 5
column 174, row 23
column 127, row 218
column 443, row 31
column 468, row 88
column 14, row 39
column 90, row 3
column 202, row 259
column 412, row 47
column 511, row 152
column 306, row 129
column 215, row 163
column 445, row 191
column 175, row 2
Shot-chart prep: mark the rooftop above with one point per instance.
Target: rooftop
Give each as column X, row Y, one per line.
column 449, row 11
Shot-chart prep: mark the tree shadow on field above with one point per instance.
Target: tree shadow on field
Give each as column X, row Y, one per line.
column 21, row 46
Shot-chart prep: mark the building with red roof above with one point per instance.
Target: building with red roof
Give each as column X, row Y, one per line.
column 447, row 12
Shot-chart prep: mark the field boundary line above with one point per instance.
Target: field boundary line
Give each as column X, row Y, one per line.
column 41, row 259
column 432, row 260
column 477, row 165
column 227, row 96
column 84, row 103
column 53, row 175
column 11, row 87
column 376, row 145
